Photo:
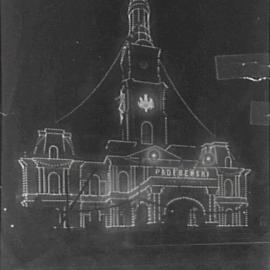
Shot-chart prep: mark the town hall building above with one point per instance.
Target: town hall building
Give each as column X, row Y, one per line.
column 142, row 180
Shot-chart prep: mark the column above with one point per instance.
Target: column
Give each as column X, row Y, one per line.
column 116, row 216
column 81, row 216
column 210, row 218
column 239, row 186
column 246, row 217
column 111, row 217
column 156, row 199
column 63, row 181
column 45, row 181
column 150, row 206
column 215, row 214
column 154, row 208
column 245, row 186
column 222, row 216
column 221, row 185
column 39, row 180
column 133, row 216
column 149, row 213
column 235, row 217
column 158, row 208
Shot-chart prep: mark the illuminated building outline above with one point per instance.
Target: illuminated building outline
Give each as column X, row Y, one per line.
column 156, row 172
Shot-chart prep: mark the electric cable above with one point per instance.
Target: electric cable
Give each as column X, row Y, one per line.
column 93, row 91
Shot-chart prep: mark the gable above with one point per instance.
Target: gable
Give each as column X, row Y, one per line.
column 155, row 150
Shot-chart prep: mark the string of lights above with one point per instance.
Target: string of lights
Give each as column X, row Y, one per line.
column 185, row 103
column 94, row 90
column 256, row 79
column 126, row 202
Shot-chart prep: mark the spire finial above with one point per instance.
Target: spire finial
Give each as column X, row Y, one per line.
column 139, row 22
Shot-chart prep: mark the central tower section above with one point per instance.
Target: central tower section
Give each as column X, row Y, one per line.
column 143, row 94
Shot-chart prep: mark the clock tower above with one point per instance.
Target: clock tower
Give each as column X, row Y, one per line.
column 142, row 105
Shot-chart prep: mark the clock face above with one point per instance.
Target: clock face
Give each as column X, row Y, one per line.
column 143, row 64
column 146, row 103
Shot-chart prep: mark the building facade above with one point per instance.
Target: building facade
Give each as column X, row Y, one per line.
column 143, row 179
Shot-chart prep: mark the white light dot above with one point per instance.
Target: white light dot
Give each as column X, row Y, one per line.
column 12, row 226
column 154, row 155
column 5, row 209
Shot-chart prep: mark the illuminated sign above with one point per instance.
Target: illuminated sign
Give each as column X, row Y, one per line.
column 146, row 103
column 181, row 173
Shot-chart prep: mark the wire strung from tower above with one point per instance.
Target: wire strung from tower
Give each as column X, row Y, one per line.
column 94, row 90
column 184, row 102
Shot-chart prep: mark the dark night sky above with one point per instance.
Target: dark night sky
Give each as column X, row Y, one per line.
column 55, row 51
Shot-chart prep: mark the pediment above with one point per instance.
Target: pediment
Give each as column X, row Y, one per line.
column 162, row 153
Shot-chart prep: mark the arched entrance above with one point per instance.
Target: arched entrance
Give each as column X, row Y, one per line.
column 185, row 212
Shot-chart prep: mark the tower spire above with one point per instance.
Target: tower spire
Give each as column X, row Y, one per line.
column 139, row 22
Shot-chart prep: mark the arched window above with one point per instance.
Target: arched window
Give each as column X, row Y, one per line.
column 86, row 219
column 192, row 217
column 228, row 162
column 54, row 183
column 94, row 185
column 121, row 219
column 146, row 133
column 123, row 182
column 53, row 151
column 229, row 217
column 85, row 186
column 228, row 188
column 123, row 216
